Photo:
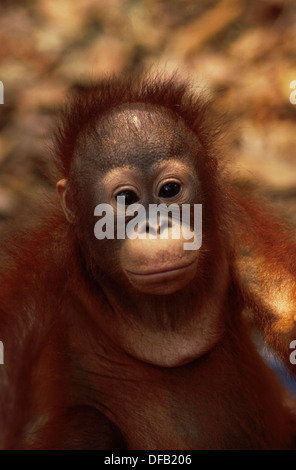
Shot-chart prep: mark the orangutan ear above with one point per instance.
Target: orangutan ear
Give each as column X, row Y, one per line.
column 65, row 198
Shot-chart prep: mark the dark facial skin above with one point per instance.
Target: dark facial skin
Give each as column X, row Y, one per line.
column 148, row 156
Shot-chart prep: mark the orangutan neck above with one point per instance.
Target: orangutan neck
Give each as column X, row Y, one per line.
column 165, row 331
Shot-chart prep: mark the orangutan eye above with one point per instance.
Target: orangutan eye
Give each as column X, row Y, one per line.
column 169, row 190
column 130, row 197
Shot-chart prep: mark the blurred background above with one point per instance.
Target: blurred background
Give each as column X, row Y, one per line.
column 243, row 52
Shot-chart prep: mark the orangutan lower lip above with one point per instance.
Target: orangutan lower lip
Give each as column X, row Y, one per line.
column 165, row 272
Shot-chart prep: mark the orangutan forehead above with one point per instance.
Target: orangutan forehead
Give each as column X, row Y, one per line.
column 136, row 133
column 141, row 122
